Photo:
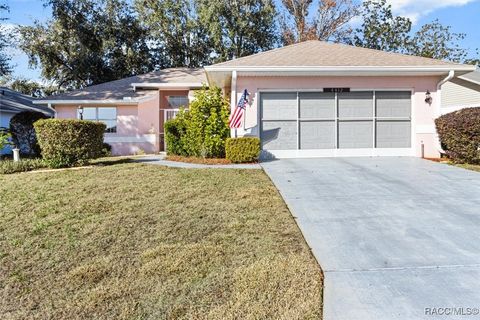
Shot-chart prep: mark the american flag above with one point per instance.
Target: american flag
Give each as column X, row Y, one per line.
column 235, row 120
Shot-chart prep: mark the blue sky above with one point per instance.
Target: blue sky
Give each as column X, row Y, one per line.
column 462, row 15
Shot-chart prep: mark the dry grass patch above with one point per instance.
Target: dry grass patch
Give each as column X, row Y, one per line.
column 198, row 160
column 136, row 241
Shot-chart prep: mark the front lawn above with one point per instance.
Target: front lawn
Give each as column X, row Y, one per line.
column 473, row 167
column 139, row 241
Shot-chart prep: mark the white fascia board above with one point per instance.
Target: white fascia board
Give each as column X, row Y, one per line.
column 353, row 69
column 105, row 101
column 171, row 85
column 119, row 101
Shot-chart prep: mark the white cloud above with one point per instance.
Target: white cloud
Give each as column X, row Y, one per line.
column 414, row 9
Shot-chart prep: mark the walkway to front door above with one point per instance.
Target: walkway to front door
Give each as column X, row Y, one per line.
column 396, row 237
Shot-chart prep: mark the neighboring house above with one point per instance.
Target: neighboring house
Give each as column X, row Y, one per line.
column 461, row 92
column 13, row 102
column 309, row 99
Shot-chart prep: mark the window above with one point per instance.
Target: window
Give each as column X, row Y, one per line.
column 107, row 115
column 177, row 101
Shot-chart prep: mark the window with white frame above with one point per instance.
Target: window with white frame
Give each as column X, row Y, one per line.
column 107, row 115
column 177, row 101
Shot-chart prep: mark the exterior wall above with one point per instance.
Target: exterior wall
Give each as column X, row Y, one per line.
column 137, row 126
column 458, row 94
column 423, row 114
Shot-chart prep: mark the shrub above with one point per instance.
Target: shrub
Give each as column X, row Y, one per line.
column 65, row 143
column 203, row 129
column 245, row 149
column 23, row 132
column 459, row 134
column 4, row 138
column 174, row 131
column 9, row 166
column 106, row 150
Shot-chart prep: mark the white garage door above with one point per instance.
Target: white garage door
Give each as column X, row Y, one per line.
column 347, row 123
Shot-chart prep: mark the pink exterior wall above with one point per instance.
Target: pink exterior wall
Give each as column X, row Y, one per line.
column 137, row 126
column 423, row 115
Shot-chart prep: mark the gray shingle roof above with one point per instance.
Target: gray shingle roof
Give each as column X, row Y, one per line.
column 316, row 53
column 118, row 89
column 472, row 77
column 13, row 101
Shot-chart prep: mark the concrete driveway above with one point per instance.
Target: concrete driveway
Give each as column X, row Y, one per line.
column 397, row 238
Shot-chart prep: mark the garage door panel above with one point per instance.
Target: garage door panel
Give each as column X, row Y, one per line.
column 347, row 120
column 281, row 106
column 355, row 134
column 355, row 104
column 393, row 134
column 279, row 135
column 317, row 135
column 317, row 105
column 393, row 104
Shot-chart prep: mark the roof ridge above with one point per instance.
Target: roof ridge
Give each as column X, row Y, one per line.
column 386, row 52
column 264, row 52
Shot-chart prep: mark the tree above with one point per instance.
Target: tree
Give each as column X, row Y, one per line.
column 23, row 132
column 87, row 42
column 333, row 17
column 435, row 40
column 296, row 28
column 5, row 67
column 178, row 37
column 330, row 22
column 380, row 29
column 238, row 28
column 33, row 88
column 474, row 61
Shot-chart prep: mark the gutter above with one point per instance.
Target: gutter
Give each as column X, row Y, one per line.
column 449, row 77
column 341, row 68
column 124, row 101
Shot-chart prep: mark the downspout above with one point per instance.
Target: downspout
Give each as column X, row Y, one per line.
column 53, row 109
column 233, row 99
column 449, row 77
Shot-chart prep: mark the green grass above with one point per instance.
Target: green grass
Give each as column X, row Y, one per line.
column 138, row 241
column 474, row 167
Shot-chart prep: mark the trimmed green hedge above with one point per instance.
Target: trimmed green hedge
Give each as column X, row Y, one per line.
column 244, row 149
column 68, row 142
column 459, row 134
column 9, row 166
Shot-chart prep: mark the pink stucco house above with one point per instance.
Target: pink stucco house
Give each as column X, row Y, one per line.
column 310, row 99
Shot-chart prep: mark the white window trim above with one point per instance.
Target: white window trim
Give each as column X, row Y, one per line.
column 97, row 119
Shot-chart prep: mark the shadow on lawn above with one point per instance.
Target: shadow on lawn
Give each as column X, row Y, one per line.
column 110, row 162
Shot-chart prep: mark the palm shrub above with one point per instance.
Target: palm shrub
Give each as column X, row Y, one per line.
column 203, row 129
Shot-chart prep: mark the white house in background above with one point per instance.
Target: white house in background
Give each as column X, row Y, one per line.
column 461, row 92
column 13, row 102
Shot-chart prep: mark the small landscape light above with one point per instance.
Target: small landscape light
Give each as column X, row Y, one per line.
column 80, row 112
